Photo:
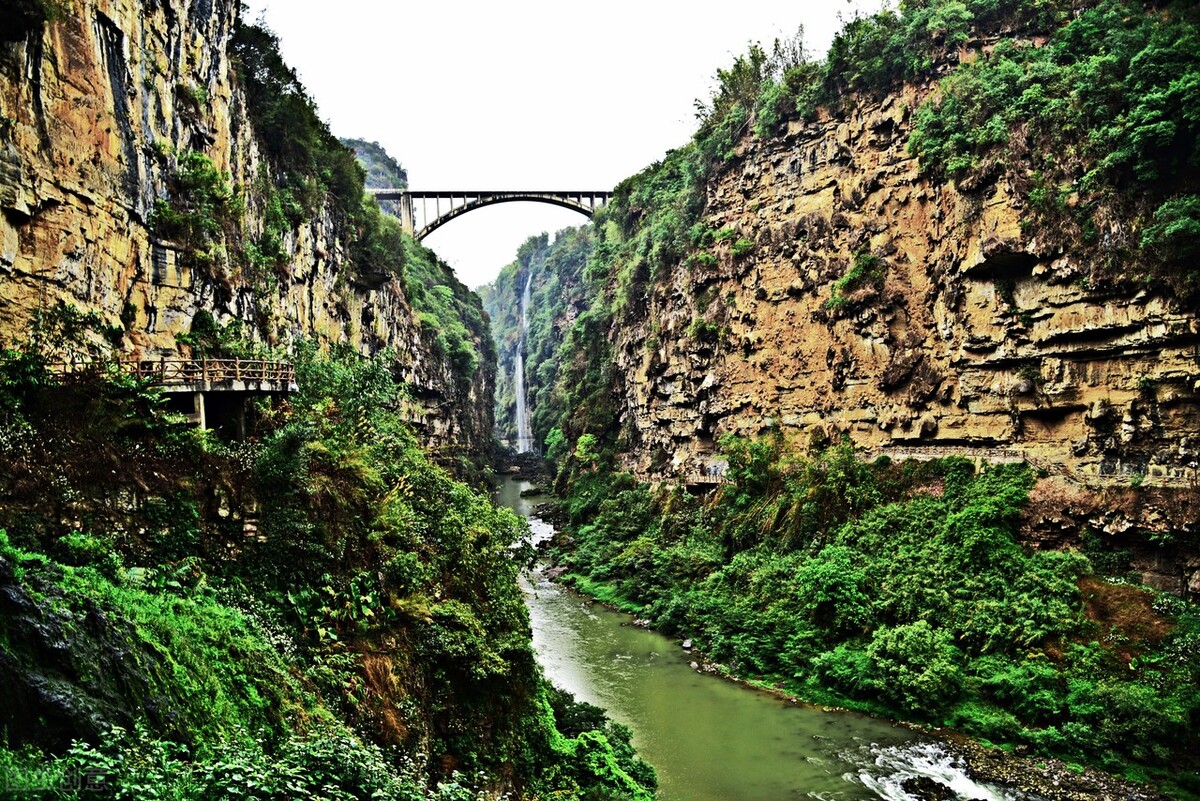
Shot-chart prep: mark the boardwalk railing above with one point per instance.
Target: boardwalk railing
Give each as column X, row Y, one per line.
column 705, row 480
column 186, row 372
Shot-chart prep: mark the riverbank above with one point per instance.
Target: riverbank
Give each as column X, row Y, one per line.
column 903, row 590
column 1046, row 778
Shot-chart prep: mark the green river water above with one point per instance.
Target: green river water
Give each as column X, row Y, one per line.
column 711, row 739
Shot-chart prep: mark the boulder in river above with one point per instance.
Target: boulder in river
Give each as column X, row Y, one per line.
column 924, row 788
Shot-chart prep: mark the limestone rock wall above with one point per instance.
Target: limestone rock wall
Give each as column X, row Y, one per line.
column 91, row 107
column 979, row 339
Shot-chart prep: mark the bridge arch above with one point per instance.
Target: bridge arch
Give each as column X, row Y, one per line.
column 459, row 203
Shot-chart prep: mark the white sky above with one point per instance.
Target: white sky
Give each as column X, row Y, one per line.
column 527, row 94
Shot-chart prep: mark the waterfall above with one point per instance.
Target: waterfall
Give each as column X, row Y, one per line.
column 524, row 438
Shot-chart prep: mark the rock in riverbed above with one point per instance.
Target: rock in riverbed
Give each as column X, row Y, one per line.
column 924, row 788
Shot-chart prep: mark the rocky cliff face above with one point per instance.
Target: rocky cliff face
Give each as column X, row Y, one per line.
column 853, row 296
column 92, row 108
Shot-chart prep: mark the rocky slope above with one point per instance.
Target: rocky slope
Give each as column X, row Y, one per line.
column 95, row 109
column 798, row 270
column 974, row 338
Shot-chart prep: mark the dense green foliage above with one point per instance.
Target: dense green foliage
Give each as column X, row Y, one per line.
column 202, row 209
column 382, row 171
column 869, row 55
column 451, row 315
column 1102, row 115
column 327, row 762
column 900, row 590
column 368, row 641
column 872, row 53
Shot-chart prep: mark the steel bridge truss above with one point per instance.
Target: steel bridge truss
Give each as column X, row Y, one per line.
column 422, row 213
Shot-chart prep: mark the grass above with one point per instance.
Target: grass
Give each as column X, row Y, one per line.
column 601, row 591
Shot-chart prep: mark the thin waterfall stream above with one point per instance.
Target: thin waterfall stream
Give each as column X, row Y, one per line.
column 524, row 439
column 715, row 740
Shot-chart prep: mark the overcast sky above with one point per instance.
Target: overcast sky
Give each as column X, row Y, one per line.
column 528, row 94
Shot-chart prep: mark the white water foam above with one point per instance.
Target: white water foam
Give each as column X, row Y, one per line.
column 885, row 769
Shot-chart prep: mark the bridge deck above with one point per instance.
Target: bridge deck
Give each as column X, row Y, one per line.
column 585, row 202
column 442, row 194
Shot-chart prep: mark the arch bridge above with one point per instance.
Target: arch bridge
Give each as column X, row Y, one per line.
column 434, row 209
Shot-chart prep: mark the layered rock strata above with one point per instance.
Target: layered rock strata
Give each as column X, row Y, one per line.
column 91, row 108
column 915, row 317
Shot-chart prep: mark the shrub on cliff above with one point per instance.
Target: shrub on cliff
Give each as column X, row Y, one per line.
column 1174, row 234
column 1102, row 116
column 200, row 215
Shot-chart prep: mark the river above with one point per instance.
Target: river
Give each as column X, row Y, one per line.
column 711, row 739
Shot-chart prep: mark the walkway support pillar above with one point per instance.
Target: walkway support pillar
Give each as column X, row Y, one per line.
column 200, row 416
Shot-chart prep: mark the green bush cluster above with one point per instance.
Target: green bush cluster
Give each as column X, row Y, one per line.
column 1103, row 109
column 209, row 339
column 202, row 211
column 204, row 660
column 326, row 762
column 377, row 603
column 1116, row 83
column 866, row 268
column 869, row 54
column 898, row 589
column 872, row 53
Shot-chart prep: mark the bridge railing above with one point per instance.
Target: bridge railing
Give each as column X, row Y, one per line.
column 183, row 372
column 460, row 202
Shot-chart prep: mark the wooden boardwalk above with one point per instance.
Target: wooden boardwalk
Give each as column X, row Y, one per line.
column 194, row 374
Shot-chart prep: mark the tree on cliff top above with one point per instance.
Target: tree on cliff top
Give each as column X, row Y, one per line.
column 299, row 144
